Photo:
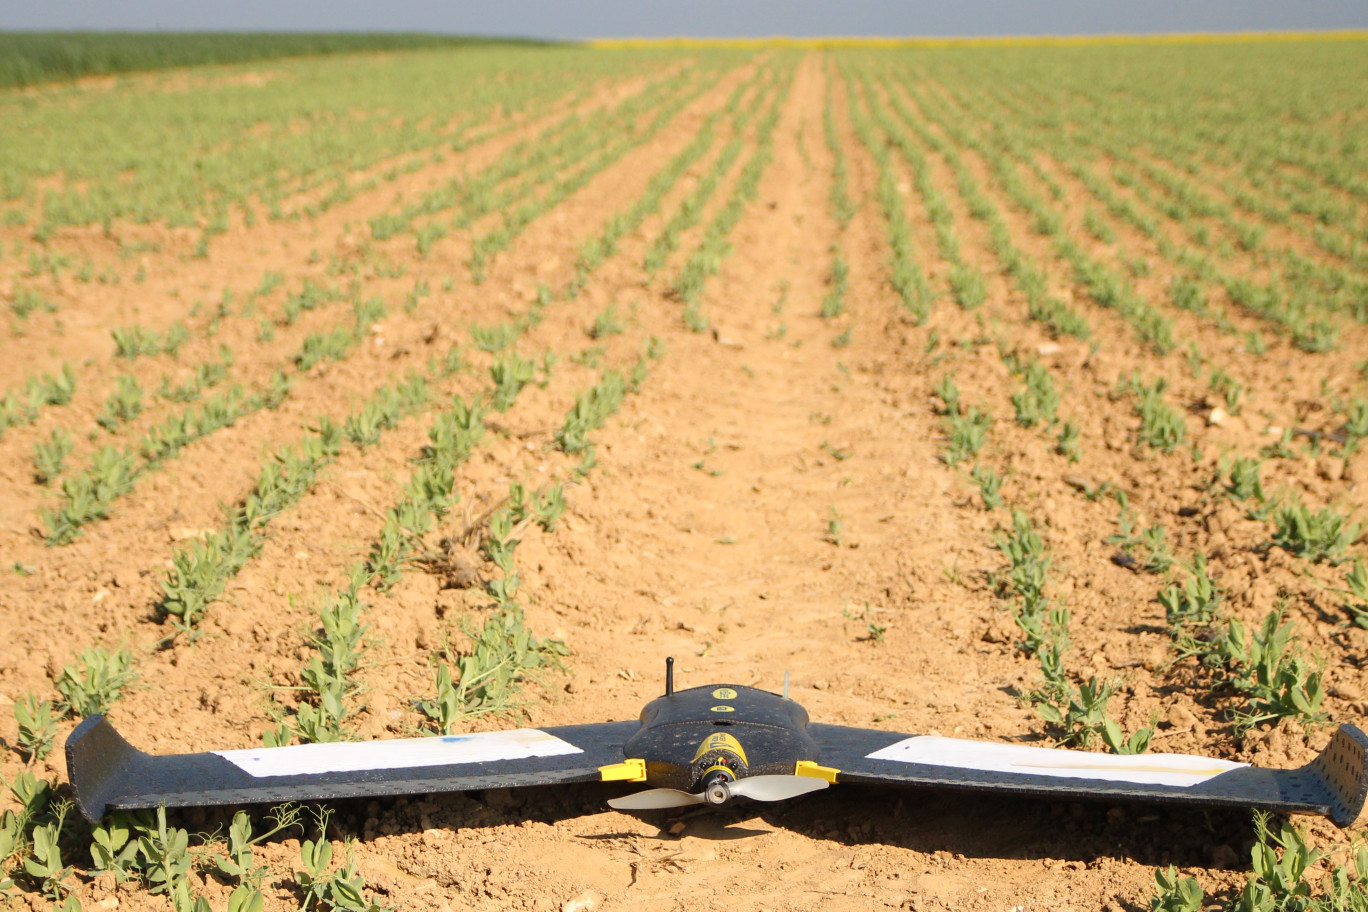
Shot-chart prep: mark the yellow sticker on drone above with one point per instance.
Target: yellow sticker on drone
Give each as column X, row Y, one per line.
column 724, row 709
column 724, row 693
column 720, row 741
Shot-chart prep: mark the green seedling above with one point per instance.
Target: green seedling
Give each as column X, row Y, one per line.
column 166, row 862
column 238, row 862
column 37, row 727
column 1176, row 894
column 503, row 655
column 1026, row 578
column 833, row 305
column 97, row 678
column 329, row 346
column 967, row 435
column 44, row 863
column 1160, row 425
column 989, row 484
column 835, row 527
column 1323, row 535
column 113, row 851
column 1194, row 603
column 1242, row 478
column 124, row 404
column 1276, row 681
column 25, row 301
column 967, row 284
column 548, row 506
column 1067, row 443
column 50, row 455
column 949, row 395
column 1082, row 718
column 510, row 373
column 1156, row 543
column 607, row 323
column 590, row 411
column 1229, row 388
column 338, row 891
column 1039, row 401
column 134, row 341
column 1357, row 581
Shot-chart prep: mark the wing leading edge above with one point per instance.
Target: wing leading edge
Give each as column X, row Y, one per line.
column 1333, row 785
column 109, row 773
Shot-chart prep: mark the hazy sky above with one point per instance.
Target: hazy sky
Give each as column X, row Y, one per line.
column 710, row 18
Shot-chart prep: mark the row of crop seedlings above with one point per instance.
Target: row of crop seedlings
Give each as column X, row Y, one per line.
column 128, row 401
column 600, row 247
column 713, row 247
column 1028, row 276
column 905, row 275
column 97, row 678
column 1182, row 155
column 967, row 284
column 1289, row 306
column 201, row 572
column 1186, row 201
column 1250, row 144
column 89, row 494
column 1290, row 311
column 535, row 160
column 843, row 208
column 502, row 654
column 465, row 136
column 1264, row 672
column 488, row 676
column 1291, row 300
column 1105, row 286
column 603, row 155
column 234, row 170
column 1076, row 712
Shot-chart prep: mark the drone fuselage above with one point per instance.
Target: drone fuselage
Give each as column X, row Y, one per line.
column 695, row 739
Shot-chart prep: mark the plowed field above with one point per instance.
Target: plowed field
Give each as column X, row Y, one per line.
column 957, row 384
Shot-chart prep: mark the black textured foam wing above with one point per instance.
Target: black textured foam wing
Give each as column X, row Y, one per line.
column 1333, row 785
column 109, row 773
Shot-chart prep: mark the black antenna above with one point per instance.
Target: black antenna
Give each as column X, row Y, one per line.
column 669, row 675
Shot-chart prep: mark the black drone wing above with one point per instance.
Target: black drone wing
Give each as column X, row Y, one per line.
column 1333, row 785
column 109, row 773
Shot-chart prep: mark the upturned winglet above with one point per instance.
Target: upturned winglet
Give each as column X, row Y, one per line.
column 98, row 761
column 1342, row 767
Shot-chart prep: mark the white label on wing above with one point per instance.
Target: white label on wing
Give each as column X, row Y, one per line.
column 406, row 753
column 1181, row 770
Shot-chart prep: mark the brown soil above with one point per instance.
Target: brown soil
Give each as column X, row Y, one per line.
column 768, row 502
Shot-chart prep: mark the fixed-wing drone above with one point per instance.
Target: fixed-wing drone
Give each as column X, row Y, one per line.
column 705, row 745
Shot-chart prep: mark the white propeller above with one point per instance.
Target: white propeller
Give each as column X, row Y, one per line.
column 654, row 799
column 775, row 788
column 757, row 788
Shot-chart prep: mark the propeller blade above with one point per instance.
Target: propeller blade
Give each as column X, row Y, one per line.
column 775, row 788
column 653, row 799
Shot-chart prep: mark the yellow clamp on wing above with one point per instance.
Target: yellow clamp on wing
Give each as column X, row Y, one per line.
column 626, row 771
column 814, row 770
